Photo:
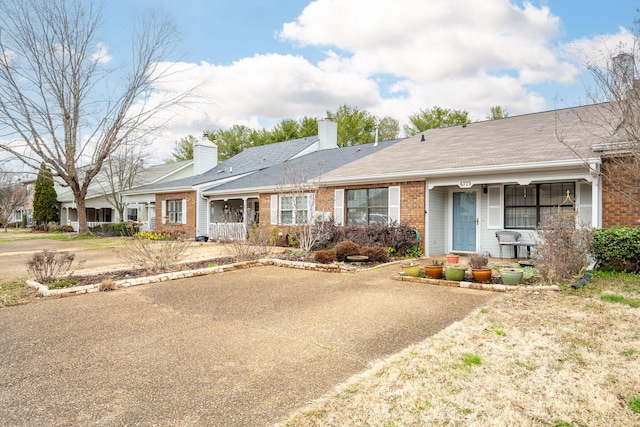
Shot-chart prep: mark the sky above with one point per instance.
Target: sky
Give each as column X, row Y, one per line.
column 256, row 62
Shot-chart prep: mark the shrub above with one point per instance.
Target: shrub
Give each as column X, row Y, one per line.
column 259, row 242
column 128, row 228
column 345, row 249
column 375, row 253
column 478, row 261
column 48, row 266
column 154, row 256
column 62, row 284
column 562, row 248
column 108, row 285
column 401, row 238
column 618, row 248
column 326, row 256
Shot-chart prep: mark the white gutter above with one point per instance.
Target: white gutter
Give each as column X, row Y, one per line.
column 426, row 174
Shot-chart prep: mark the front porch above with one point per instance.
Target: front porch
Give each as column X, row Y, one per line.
column 230, row 219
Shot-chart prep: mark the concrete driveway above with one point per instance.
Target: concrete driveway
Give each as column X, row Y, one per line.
column 244, row 348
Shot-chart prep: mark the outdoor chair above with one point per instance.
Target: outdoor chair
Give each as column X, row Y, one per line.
column 508, row 238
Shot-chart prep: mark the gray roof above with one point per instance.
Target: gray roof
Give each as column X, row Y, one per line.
column 531, row 139
column 146, row 176
column 311, row 166
column 249, row 160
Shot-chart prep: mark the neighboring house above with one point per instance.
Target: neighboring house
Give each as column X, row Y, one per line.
column 292, row 191
column 180, row 204
column 459, row 185
column 98, row 208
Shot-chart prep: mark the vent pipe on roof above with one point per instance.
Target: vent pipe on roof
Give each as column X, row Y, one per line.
column 375, row 144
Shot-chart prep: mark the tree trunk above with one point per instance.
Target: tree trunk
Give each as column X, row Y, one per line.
column 83, row 228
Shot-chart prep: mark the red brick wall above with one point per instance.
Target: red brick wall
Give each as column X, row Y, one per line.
column 411, row 203
column 190, row 227
column 618, row 209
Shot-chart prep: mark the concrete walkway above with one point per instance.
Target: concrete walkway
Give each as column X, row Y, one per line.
column 243, row 348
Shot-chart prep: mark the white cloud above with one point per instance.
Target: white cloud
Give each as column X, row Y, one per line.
column 101, row 55
column 391, row 59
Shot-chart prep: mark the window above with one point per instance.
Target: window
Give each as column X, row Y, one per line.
column 526, row 205
column 367, row 205
column 132, row 214
column 174, row 211
column 294, row 210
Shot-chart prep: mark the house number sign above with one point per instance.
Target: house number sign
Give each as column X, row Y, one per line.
column 465, row 184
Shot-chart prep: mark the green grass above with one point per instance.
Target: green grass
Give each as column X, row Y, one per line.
column 620, row 299
column 62, row 284
column 470, row 359
column 634, row 404
column 15, row 292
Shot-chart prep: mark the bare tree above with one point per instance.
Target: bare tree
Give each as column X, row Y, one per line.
column 301, row 197
column 120, row 172
column 617, row 91
column 13, row 196
column 61, row 104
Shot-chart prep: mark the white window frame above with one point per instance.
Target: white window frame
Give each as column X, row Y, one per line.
column 276, row 209
column 176, row 212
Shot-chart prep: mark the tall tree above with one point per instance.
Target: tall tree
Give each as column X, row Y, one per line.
column 497, row 112
column 232, row 141
column 13, row 196
column 183, row 149
column 355, row 126
column 45, row 198
column 388, row 128
column 308, row 127
column 434, row 118
column 60, row 101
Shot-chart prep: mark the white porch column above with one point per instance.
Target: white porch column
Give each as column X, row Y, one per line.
column 425, row 238
column 244, row 211
column 596, row 203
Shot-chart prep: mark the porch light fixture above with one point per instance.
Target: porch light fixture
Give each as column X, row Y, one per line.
column 484, row 188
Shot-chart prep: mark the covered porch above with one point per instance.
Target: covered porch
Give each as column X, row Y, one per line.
column 230, row 219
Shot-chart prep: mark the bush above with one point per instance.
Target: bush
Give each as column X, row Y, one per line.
column 562, row 248
column 618, row 248
column 345, row 249
column 401, row 238
column 326, row 256
column 128, row 228
column 48, row 266
column 375, row 253
column 62, row 284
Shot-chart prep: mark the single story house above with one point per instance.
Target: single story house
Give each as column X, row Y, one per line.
column 100, row 211
column 180, row 204
column 459, row 185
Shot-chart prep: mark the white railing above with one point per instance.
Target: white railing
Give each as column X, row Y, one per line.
column 227, row 231
column 75, row 226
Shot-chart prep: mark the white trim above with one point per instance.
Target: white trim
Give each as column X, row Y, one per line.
column 393, row 203
column 274, row 209
column 495, row 212
column 164, row 212
column 184, row 211
column 338, row 206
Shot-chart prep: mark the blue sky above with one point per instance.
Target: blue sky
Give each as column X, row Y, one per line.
column 260, row 61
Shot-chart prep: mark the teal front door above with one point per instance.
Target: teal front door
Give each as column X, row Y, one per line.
column 464, row 221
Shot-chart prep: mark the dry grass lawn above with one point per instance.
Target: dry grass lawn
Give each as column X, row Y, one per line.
column 557, row 359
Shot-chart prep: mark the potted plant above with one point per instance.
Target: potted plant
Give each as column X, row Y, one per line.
column 412, row 269
column 511, row 276
column 479, row 269
column 453, row 259
column 433, row 269
column 454, row 272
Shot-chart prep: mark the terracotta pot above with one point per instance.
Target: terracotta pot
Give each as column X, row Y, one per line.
column 482, row 275
column 454, row 273
column 453, row 259
column 433, row 271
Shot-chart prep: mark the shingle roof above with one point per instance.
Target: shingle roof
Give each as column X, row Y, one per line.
column 308, row 167
column 527, row 139
column 249, row 160
column 147, row 176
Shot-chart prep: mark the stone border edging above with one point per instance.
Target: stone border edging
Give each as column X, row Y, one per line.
column 329, row 268
column 163, row 277
column 474, row 285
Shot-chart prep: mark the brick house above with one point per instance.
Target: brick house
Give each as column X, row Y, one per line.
column 459, row 185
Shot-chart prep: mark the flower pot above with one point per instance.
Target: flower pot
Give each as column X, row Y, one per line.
column 511, row 276
column 453, row 259
column 454, row 273
column 412, row 270
column 433, row 271
column 482, row 275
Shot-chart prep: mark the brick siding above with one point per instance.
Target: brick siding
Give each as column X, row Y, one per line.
column 619, row 209
column 190, row 227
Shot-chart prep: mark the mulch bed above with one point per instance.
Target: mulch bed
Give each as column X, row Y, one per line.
column 91, row 279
